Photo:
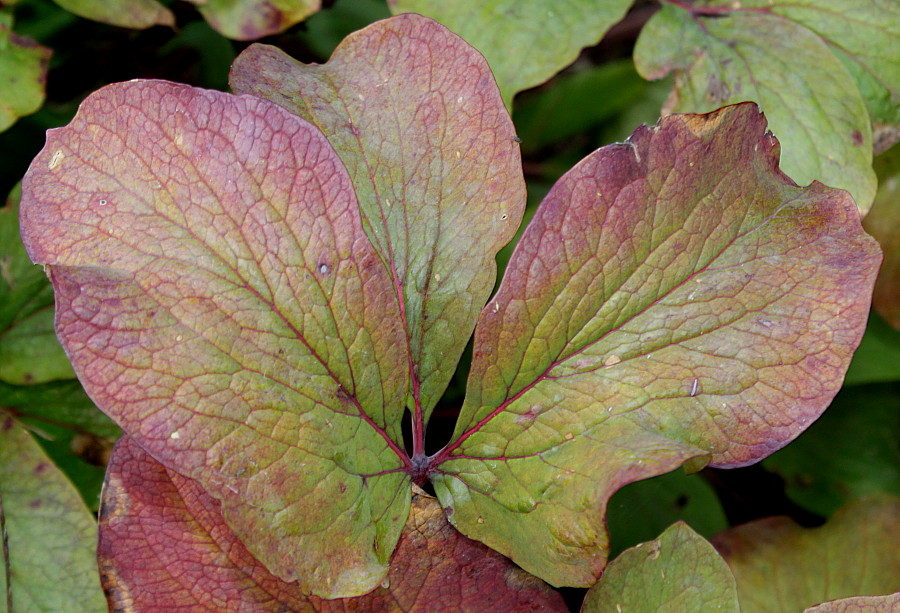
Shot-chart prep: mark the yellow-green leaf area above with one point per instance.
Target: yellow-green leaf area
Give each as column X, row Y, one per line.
column 809, row 97
column 51, row 534
column 524, row 41
column 679, row 571
column 23, row 75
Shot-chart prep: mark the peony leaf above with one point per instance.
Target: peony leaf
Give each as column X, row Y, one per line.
column 48, row 534
column 228, row 311
column 859, row 33
column 29, row 351
column 883, row 222
column 679, row 571
column 149, row 512
column 674, row 297
column 137, row 14
column 812, row 101
column 780, row 566
column 415, row 115
column 252, row 19
column 23, row 75
column 859, row 604
column 525, row 41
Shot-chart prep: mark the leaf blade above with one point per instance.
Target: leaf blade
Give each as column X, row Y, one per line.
column 242, row 331
column 665, row 303
column 415, row 115
column 812, row 103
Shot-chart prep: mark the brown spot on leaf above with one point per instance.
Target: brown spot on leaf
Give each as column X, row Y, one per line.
column 41, row 467
column 857, row 138
column 35, row 504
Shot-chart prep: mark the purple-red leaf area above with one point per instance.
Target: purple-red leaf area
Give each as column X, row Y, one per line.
column 219, row 299
column 165, row 547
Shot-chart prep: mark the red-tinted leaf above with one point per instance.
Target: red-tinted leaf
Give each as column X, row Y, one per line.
column 252, row 19
column 675, row 296
column 219, row 299
column 416, row 116
column 165, row 547
column 860, row 604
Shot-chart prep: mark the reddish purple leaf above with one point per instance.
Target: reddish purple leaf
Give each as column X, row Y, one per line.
column 219, row 299
column 165, row 547
column 417, row 118
column 674, row 297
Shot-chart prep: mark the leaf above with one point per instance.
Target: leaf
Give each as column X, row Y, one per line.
column 29, row 351
column 252, row 19
column 228, row 312
column 859, row 604
column 780, row 566
column 883, row 222
column 23, row 76
column 674, row 297
column 137, row 14
column 51, row 535
column 416, row 117
column 640, row 511
column 812, row 102
column 71, row 430
column 679, row 571
column 150, row 512
column 850, row 453
column 525, row 41
column 860, row 33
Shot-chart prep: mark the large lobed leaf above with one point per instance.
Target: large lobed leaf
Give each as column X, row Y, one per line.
column 150, row 512
column 415, row 115
column 674, row 297
column 809, row 95
column 525, row 41
column 48, row 536
column 219, row 299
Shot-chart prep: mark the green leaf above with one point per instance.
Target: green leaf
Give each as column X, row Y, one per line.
column 525, row 41
column 679, row 571
column 228, row 311
column 808, row 95
column 51, row 535
column 674, row 297
column 883, row 222
column 416, row 117
column 851, row 451
column 23, row 75
column 863, row 34
column 252, row 19
column 137, row 14
column 164, row 546
column 640, row 511
column 29, row 351
column 780, row 566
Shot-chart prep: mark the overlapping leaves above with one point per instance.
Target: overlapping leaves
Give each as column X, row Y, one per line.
column 257, row 306
column 770, row 56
